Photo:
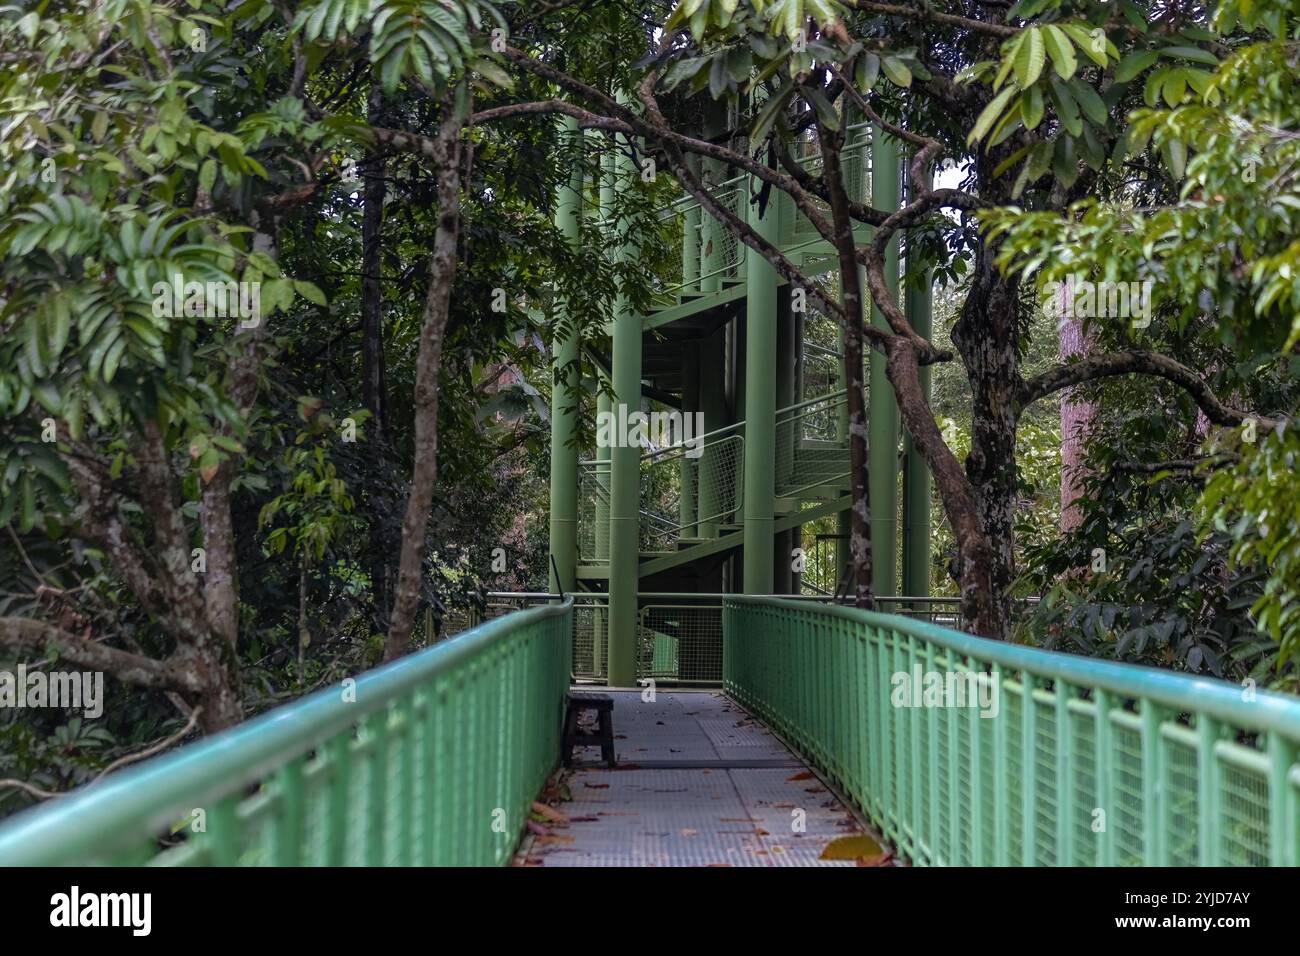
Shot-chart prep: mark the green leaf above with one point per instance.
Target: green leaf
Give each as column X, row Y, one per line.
column 1062, row 52
column 1031, row 107
column 826, row 113
column 1030, row 57
column 897, row 71
column 989, row 115
column 1087, row 40
column 1067, row 110
column 1064, row 162
column 310, row 292
column 1089, row 102
column 868, row 71
column 1133, row 64
column 1191, row 53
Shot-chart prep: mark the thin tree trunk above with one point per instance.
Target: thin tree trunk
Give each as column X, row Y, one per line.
column 987, row 335
column 851, row 299
column 442, row 274
column 1076, row 415
column 374, row 373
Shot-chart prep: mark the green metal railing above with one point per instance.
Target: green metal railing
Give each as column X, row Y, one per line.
column 1079, row 762
column 432, row 760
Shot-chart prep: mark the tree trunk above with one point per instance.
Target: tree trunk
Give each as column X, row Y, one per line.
column 976, row 560
column 987, row 336
column 1075, row 417
column 442, row 273
column 851, row 299
column 374, row 373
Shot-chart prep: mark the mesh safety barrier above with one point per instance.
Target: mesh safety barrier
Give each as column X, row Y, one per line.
column 431, row 760
column 963, row 750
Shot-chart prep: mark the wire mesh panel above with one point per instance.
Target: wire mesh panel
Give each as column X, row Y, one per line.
column 709, row 473
column 590, row 636
column 969, row 751
column 431, row 760
column 680, row 642
column 593, row 505
column 808, row 452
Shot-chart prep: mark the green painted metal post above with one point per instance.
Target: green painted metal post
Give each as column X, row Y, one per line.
column 713, row 403
column 760, row 404
column 844, row 519
column 625, row 462
column 691, row 239
column 882, row 461
column 564, row 402
column 687, row 465
column 918, row 305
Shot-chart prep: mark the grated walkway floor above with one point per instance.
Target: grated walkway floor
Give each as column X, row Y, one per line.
column 699, row 783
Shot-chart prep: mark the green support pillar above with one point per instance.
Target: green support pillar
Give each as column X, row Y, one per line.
column 691, row 238
column 625, row 466
column 686, row 464
column 760, row 404
column 843, row 519
column 709, row 479
column 882, row 461
column 916, row 477
column 564, row 403
column 600, row 612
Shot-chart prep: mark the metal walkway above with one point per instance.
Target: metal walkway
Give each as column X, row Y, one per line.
column 699, row 783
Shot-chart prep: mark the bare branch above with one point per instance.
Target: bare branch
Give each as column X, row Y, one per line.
column 925, row 14
column 29, row 634
column 1140, row 362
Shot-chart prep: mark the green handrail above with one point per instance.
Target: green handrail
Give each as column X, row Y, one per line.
column 431, row 760
column 1078, row 762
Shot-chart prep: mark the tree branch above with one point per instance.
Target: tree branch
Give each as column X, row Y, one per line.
column 29, row 634
column 1140, row 362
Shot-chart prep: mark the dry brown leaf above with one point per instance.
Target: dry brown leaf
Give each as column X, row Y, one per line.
column 856, row 847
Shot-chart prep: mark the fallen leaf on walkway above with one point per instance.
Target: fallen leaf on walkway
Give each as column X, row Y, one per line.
column 596, row 786
column 551, row 839
column 687, row 831
column 555, row 816
column 802, row 775
column 883, row 860
column 859, row 847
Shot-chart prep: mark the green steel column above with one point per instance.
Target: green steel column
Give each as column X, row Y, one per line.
column 686, row 464
column 604, row 408
column 625, row 460
column 843, row 519
column 760, row 405
column 600, row 611
column 916, row 480
column 882, row 461
column 713, row 403
column 711, row 231
column 564, row 403
column 691, row 239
